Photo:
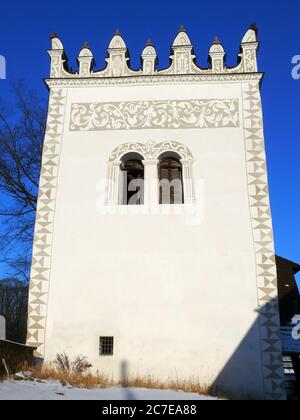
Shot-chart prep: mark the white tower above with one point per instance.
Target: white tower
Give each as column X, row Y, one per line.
column 182, row 284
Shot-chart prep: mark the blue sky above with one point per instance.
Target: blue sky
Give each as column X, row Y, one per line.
column 24, row 38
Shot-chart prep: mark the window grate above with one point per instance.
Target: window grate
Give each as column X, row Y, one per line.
column 106, row 346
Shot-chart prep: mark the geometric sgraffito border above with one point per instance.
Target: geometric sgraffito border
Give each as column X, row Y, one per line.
column 273, row 372
column 42, row 246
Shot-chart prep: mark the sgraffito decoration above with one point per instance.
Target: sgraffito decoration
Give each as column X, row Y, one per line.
column 155, row 114
column 267, row 288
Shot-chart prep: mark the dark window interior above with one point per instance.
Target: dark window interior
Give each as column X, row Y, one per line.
column 133, row 180
column 170, row 177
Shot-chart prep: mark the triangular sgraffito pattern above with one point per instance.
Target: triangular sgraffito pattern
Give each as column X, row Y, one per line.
column 264, row 244
column 41, row 260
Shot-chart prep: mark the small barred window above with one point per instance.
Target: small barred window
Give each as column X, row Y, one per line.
column 106, row 346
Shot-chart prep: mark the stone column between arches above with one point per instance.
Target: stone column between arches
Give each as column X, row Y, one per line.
column 151, row 182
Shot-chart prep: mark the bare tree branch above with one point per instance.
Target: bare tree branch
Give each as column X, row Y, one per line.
column 21, row 143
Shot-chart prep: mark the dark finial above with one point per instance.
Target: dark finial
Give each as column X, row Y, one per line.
column 53, row 35
column 149, row 43
column 253, row 27
column 216, row 41
column 182, row 29
column 118, row 32
column 86, row 45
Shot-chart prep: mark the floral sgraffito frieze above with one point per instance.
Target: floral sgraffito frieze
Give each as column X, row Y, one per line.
column 173, row 114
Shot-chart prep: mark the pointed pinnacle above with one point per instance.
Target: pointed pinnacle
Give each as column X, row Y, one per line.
column 253, row 27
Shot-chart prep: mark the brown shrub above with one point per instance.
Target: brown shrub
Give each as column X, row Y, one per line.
column 79, row 365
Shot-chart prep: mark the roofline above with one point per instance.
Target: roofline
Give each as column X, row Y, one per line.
column 25, row 346
column 295, row 266
column 212, row 77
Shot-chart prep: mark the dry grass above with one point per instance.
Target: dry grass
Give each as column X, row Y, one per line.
column 190, row 386
column 77, row 374
column 90, row 381
column 75, row 379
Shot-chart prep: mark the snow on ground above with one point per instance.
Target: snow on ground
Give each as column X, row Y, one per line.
column 52, row 390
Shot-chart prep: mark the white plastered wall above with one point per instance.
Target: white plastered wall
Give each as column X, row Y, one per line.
column 180, row 299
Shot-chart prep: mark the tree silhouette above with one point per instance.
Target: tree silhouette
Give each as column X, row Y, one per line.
column 22, row 129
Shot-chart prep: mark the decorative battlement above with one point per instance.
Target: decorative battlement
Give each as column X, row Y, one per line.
column 183, row 60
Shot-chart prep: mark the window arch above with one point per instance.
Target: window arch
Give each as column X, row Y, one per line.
column 132, row 179
column 170, row 176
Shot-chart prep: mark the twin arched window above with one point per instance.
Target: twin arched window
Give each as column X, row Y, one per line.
column 169, row 178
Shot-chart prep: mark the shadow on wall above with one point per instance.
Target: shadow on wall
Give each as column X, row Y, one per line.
column 128, row 394
column 259, row 376
column 249, row 374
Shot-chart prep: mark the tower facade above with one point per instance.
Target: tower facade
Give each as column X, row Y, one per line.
column 154, row 244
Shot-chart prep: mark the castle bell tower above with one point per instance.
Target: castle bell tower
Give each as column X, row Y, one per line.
column 153, row 243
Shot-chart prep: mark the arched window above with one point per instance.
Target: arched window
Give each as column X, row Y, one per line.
column 132, row 184
column 170, row 179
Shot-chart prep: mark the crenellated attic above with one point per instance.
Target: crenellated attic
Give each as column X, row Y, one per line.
column 182, row 59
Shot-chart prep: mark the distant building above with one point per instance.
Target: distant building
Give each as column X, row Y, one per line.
column 2, row 328
column 2, row 67
column 154, row 244
column 288, row 292
column 289, row 307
